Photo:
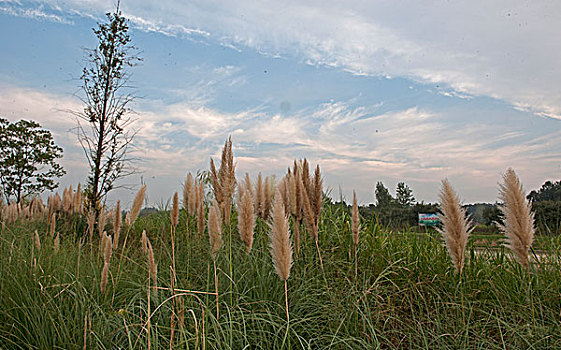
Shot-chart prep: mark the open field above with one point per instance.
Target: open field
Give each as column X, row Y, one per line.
column 405, row 294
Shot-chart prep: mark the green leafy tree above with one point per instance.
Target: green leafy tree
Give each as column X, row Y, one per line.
column 107, row 136
column 404, row 195
column 28, row 160
column 550, row 191
column 492, row 215
column 383, row 197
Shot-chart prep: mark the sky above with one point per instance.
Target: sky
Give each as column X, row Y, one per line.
column 412, row 91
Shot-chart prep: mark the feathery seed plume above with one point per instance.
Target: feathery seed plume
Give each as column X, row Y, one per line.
column 53, row 225
column 174, row 214
column 518, row 217
column 56, row 244
column 246, row 217
column 152, row 268
column 200, row 210
column 188, row 203
column 456, row 226
column 117, row 224
column 259, row 196
column 214, row 228
column 318, row 194
column 144, row 242
column 281, row 247
column 91, row 223
column 37, row 241
column 106, row 260
column 137, row 204
column 355, row 220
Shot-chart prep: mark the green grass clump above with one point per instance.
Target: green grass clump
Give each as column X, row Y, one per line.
column 405, row 294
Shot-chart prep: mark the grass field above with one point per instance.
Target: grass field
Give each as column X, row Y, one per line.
column 405, row 294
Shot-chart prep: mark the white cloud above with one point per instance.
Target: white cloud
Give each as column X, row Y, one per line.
column 36, row 13
column 500, row 49
column 355, row 146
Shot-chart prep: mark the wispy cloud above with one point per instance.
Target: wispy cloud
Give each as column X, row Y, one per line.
column 7, row 7
column 498, row 49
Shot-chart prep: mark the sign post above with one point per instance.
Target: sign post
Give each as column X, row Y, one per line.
column 428, row 220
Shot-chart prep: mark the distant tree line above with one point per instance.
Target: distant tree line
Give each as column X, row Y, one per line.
column 399, row 212
column 546, row 205
column 402, row 210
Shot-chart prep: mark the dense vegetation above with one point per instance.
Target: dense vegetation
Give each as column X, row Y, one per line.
column 405, row 293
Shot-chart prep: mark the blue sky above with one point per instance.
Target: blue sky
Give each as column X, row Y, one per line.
column 372, row 91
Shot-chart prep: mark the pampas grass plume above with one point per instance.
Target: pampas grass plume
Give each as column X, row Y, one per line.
column 214, row 228
column 174, row 214
column 519, row 220
column 101, row 220
column 106, row 259
column 56, row 244
column 144, row 242
column 188, row 202
column 246, row 216
column 37, row 241
column 355, row 220
column 281, row 247
column 456, row 226
column 117, row 224
column 152, row 268
column 137, row 204
column 200, row 209
column 53, row 225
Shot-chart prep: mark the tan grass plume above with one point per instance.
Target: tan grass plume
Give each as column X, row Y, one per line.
column 355, row 221
column 174, row 213
column 137, row 204
column 456, row 225
column 144, row 242
column 91, row 223
column 259, row 196
column 246, row 215
column 53, row 225
column 56, row 244
column 37, row 241
column 101, row 220
column 152, row 268
column 188, row 202
column 518, row 217
column 117, row 220
column 200, row 209
column 214, row 228
column 106, row 263
column 281, row 247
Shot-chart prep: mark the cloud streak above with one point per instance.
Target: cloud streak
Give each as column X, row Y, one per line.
column 356, row 146
column 496, row 49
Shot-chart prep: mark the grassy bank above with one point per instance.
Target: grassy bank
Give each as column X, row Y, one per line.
column 405, row 293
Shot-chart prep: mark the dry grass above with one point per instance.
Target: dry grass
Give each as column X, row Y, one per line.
column 355, row 221
column 137, row 205
column 107, row 249
column 188, row 195
column 101, row 221
column 174, row 213
column 214, row 229
column 281, row 247
column 519, row 220
column 37, row 241
column 246, row 215
column 152, row 268
column 117, row 220
column 224, row 180
column 200, row 208
column 456, row 226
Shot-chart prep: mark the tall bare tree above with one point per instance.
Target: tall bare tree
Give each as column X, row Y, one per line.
column 104, row 126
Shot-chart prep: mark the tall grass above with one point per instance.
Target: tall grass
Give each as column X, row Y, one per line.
column 405, row 294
